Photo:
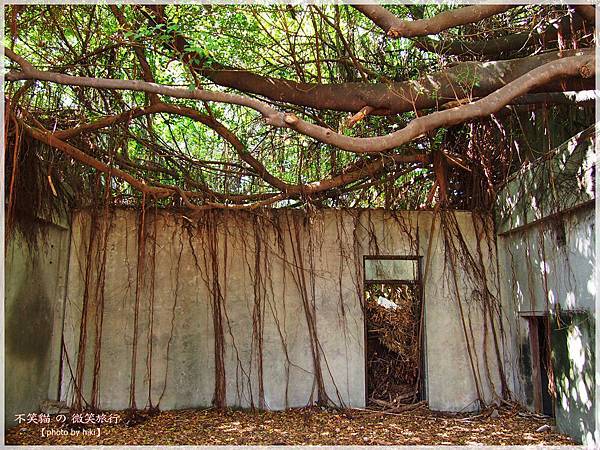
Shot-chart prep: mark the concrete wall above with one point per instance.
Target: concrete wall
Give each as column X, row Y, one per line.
column 33, row 302
column 547, row 264
column 175, row 311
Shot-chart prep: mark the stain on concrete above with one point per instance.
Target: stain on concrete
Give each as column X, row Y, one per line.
column 29, row 321
column 526, row 371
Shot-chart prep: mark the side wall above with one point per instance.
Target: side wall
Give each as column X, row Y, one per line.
column 269, row 304
column 546, row 254
column 33, row 307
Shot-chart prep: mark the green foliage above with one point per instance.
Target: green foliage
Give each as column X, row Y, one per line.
column 308, row 44
column 468, row 78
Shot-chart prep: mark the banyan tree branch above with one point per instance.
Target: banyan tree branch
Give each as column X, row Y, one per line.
column 370, row 169
column 503, row 44
column 395, row 27
column 588, row 12
column 156, row 191
column 384, row 98
column 391, row 97
column 495, row 46
column 47, row 138
column 205, row 119
column 582, row 65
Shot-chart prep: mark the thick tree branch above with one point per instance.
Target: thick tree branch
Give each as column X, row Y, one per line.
column 488, row 47
column 588, row 12
column 502, row 45
column 395, row 27
column 47, row 138
column 384, row 98
column 369, row 169
column 581, row 65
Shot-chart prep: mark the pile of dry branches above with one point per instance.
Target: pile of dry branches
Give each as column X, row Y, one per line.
column 393, row 333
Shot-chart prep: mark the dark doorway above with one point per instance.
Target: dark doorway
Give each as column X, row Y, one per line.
column 542, row 370
column 393, row 328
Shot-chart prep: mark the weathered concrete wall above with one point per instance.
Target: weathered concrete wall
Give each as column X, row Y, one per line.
column 464, row 348
column 175, row 357
column 541, row 274
column 546, row 254
column 33, row 307
column 562, row 181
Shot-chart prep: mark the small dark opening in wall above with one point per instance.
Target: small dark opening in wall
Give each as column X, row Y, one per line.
column 546, row 370
column 542, row 375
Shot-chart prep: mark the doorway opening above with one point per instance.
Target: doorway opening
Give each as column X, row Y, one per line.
column 393, row 330
column 542, row 368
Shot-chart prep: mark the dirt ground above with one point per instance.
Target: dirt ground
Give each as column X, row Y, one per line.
column 309, row 426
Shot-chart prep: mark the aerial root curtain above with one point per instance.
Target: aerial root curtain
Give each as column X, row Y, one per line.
column 265, row 310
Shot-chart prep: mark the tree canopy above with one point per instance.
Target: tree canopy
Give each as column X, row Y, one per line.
column 245, row 106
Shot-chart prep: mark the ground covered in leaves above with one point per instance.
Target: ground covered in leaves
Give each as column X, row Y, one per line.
column 419, row 426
